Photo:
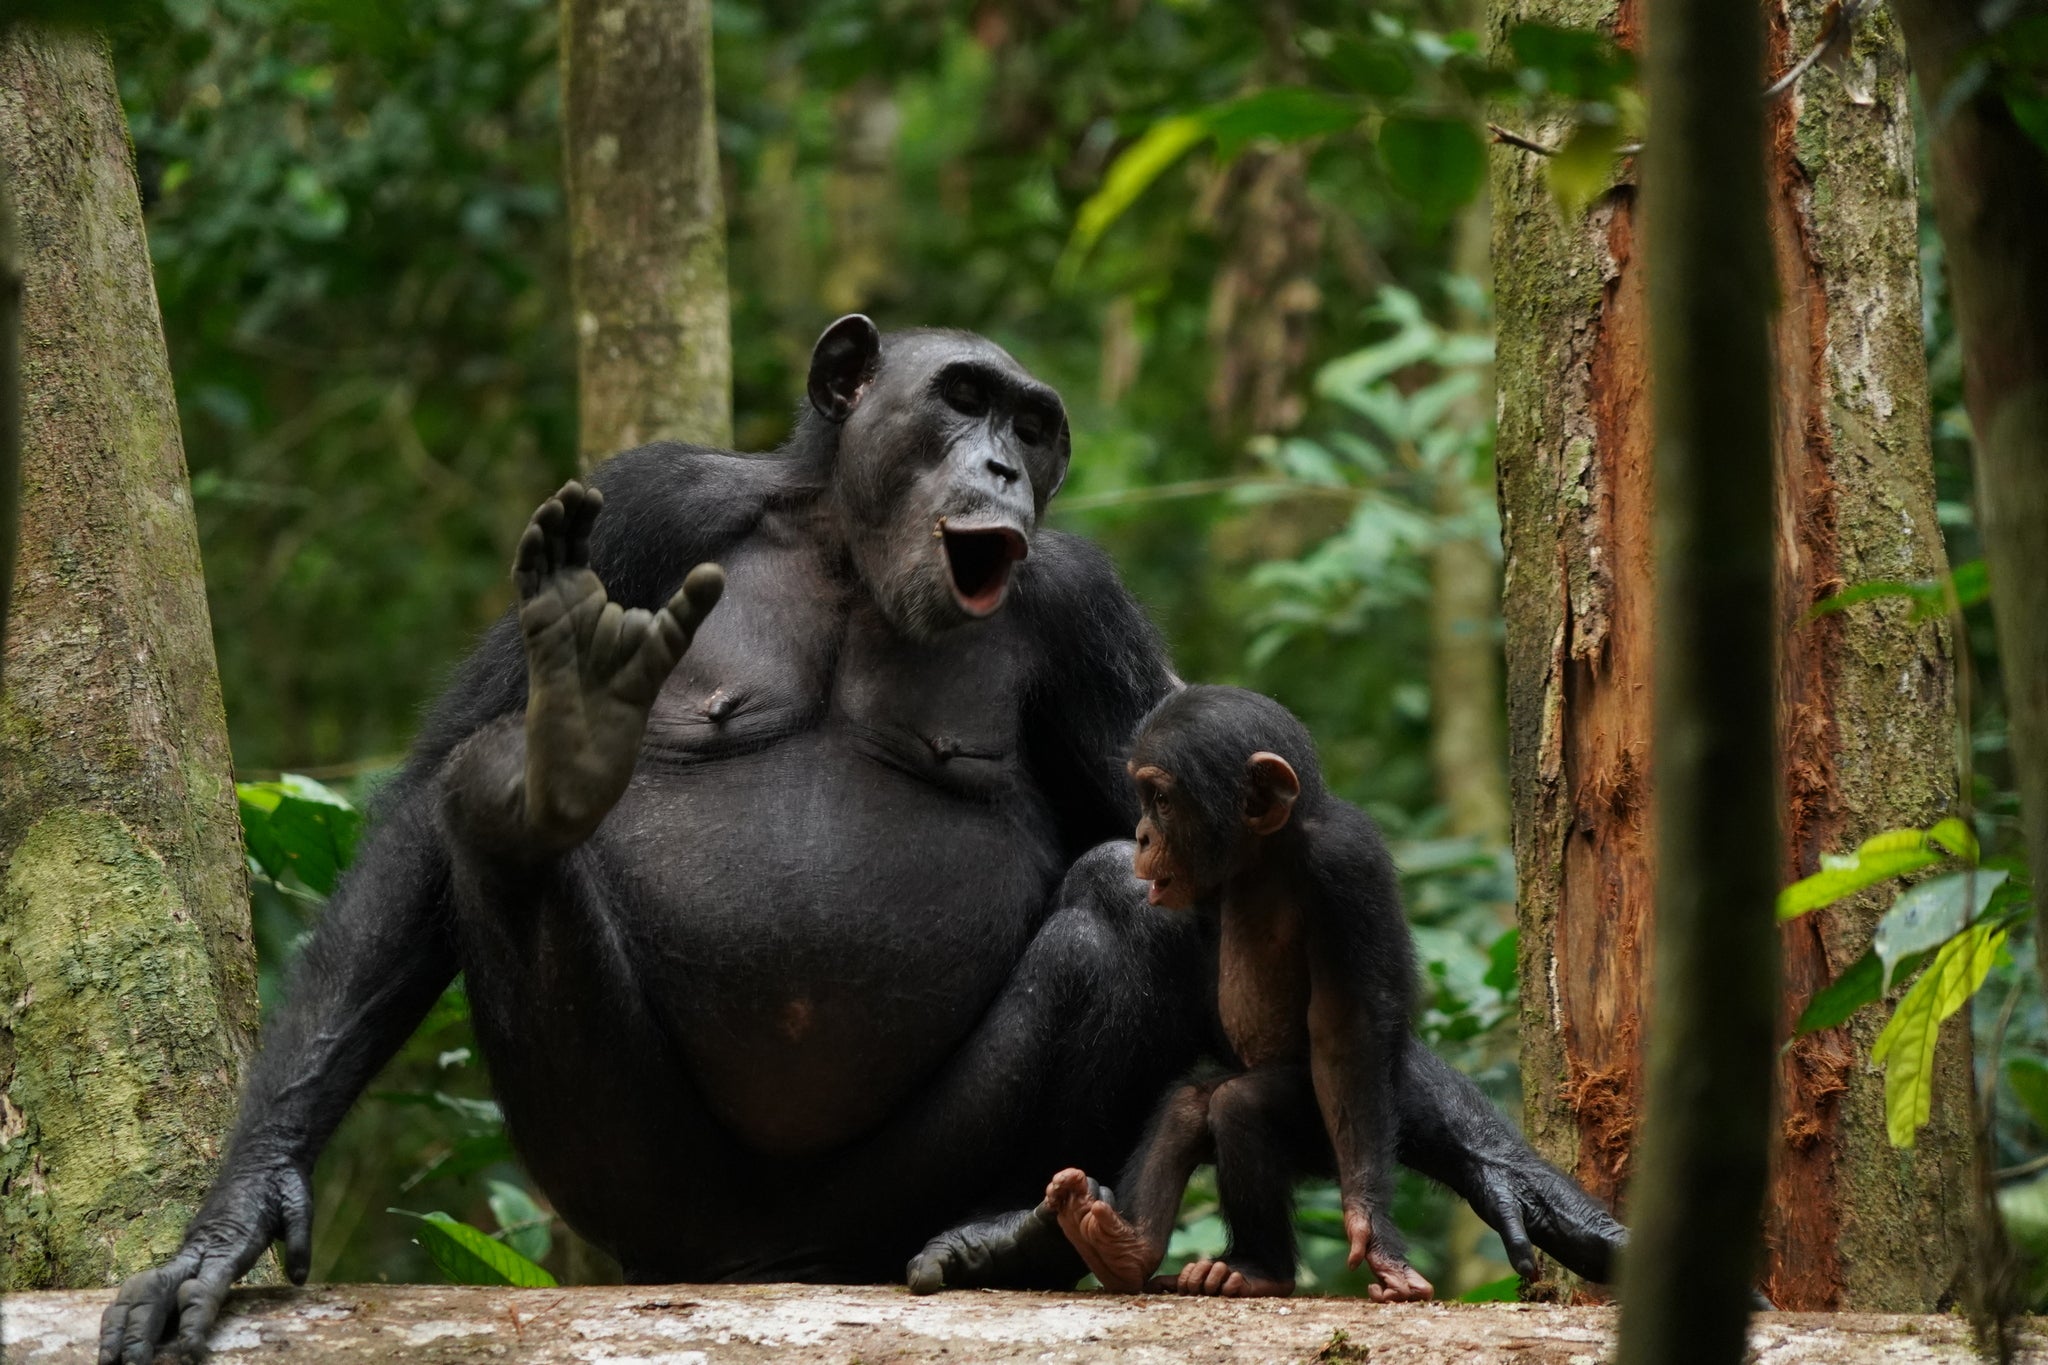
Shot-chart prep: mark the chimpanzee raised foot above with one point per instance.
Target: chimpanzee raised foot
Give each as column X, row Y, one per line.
column 817, row 951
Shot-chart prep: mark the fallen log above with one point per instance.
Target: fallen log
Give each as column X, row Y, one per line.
column 733, row 1324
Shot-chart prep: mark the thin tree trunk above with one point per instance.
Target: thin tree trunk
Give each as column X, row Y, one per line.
column 1865, row 697
column 10, row 412
column 646, row 224
column 127, row 975
column 1706, row 1149
column 1991, row 201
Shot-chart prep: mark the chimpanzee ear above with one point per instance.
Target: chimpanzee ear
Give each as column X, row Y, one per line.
column 842, row 363
column 1270, row 791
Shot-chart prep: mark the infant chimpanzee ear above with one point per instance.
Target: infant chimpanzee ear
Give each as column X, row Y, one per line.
column 1270, row 788
column 842, row 363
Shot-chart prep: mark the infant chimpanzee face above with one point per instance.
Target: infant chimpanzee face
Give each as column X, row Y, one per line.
column 1178, row 852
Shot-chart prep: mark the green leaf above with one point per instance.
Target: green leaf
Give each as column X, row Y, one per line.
column 1284, row 113
column 468, row 1255
column 523, row 1224
column 1380, row 69
column 1877, row 858
column 1860, row 983
column 1135, row 168
column 1437, row 162
column 1506, row 1289
column 476, row 1152
column 1578, row 63
column 1955, row 836
column 1970, row 582
column 297, row 826
column 1930, row 914
column 2029, row 110
column 1906, row 1047
column 1583, row 168
column 2028, row 1078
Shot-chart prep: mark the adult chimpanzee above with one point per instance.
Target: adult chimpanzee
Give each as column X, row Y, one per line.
column 1315, row 986
column 790, row 961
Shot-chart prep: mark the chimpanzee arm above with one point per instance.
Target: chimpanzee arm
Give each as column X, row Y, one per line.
column 1451, row 1133
column 379, row 958
column 1100, row 666
column 1362, row 993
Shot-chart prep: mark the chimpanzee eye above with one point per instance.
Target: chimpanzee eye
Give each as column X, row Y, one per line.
column 1030, row 428
column 965, row 395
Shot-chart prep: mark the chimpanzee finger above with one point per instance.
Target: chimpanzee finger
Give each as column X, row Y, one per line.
column 605, row 654
column 148, row 1312
column 583, row 505
column 199, row 1302
column 529, row 562
column 700, row 593
column 295, row 1209
column 1506, row 1210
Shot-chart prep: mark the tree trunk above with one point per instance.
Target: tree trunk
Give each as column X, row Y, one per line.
column 127, row 975
column 1705, row 1153
column 646, row 224
column 10, row 411
column 1864, row 697
column 1991, row 200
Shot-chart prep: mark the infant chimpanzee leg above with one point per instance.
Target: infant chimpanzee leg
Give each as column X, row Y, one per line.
column 1264, row 1123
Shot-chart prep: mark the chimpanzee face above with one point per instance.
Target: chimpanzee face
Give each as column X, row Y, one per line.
column 948, row 453
column 1181, row 851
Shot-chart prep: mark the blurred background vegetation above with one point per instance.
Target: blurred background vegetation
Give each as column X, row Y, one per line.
column 1275, row 359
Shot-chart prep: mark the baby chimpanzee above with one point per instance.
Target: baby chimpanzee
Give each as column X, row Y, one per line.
column 1316, row 986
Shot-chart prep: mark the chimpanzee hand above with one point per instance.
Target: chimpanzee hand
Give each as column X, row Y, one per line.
column 593, row 668
column 240, row 1219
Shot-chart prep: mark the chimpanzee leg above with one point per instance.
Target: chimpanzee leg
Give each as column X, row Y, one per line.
column 1263, row 1122
column 1106, row 1008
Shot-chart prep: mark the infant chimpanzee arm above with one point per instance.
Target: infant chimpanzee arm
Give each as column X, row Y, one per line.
column 1362, row 994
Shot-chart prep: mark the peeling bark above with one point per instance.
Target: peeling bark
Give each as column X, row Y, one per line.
column 646, row 225
column 127, row 974
column 1865, row 701
column 731, row 1324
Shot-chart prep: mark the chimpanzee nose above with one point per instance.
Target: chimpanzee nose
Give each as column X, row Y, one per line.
column 1144, row 839
column 1007, row 473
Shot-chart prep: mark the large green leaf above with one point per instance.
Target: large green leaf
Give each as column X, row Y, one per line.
column 297, row 828
column 1876, row 859
column 468, row 1255
column 1437, row 162
column 1134, row 169
column 1906, row 1047
column 1930, row 914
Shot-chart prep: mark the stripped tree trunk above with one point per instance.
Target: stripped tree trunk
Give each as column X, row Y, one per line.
column 646, row 225
column 1865, row 700
column 127, row 975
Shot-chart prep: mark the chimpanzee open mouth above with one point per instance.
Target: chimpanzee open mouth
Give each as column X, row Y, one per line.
column 979, row 562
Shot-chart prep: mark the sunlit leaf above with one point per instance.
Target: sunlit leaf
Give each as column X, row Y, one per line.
column 1135, row 168
column 1906, row 1047
column 1955, row 836
column 1930, row 914
column 295, row 826
column 468, row 1255
column 1878, row 858
column 1437, row 162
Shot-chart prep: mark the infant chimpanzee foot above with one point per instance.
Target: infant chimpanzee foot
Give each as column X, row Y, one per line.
column 1222, row 1280
column 1115, row 1251
column 1399, row 1281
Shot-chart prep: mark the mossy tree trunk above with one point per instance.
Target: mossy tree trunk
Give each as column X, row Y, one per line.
column 127, row 975
column 1865, row 699
column 646, row 224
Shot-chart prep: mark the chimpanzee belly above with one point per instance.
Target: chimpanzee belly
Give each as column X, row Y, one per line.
column 814, row 928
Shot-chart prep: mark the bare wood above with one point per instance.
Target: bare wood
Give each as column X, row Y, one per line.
column 716, row 1324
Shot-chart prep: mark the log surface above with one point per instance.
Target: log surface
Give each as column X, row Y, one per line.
column 717, row 1324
